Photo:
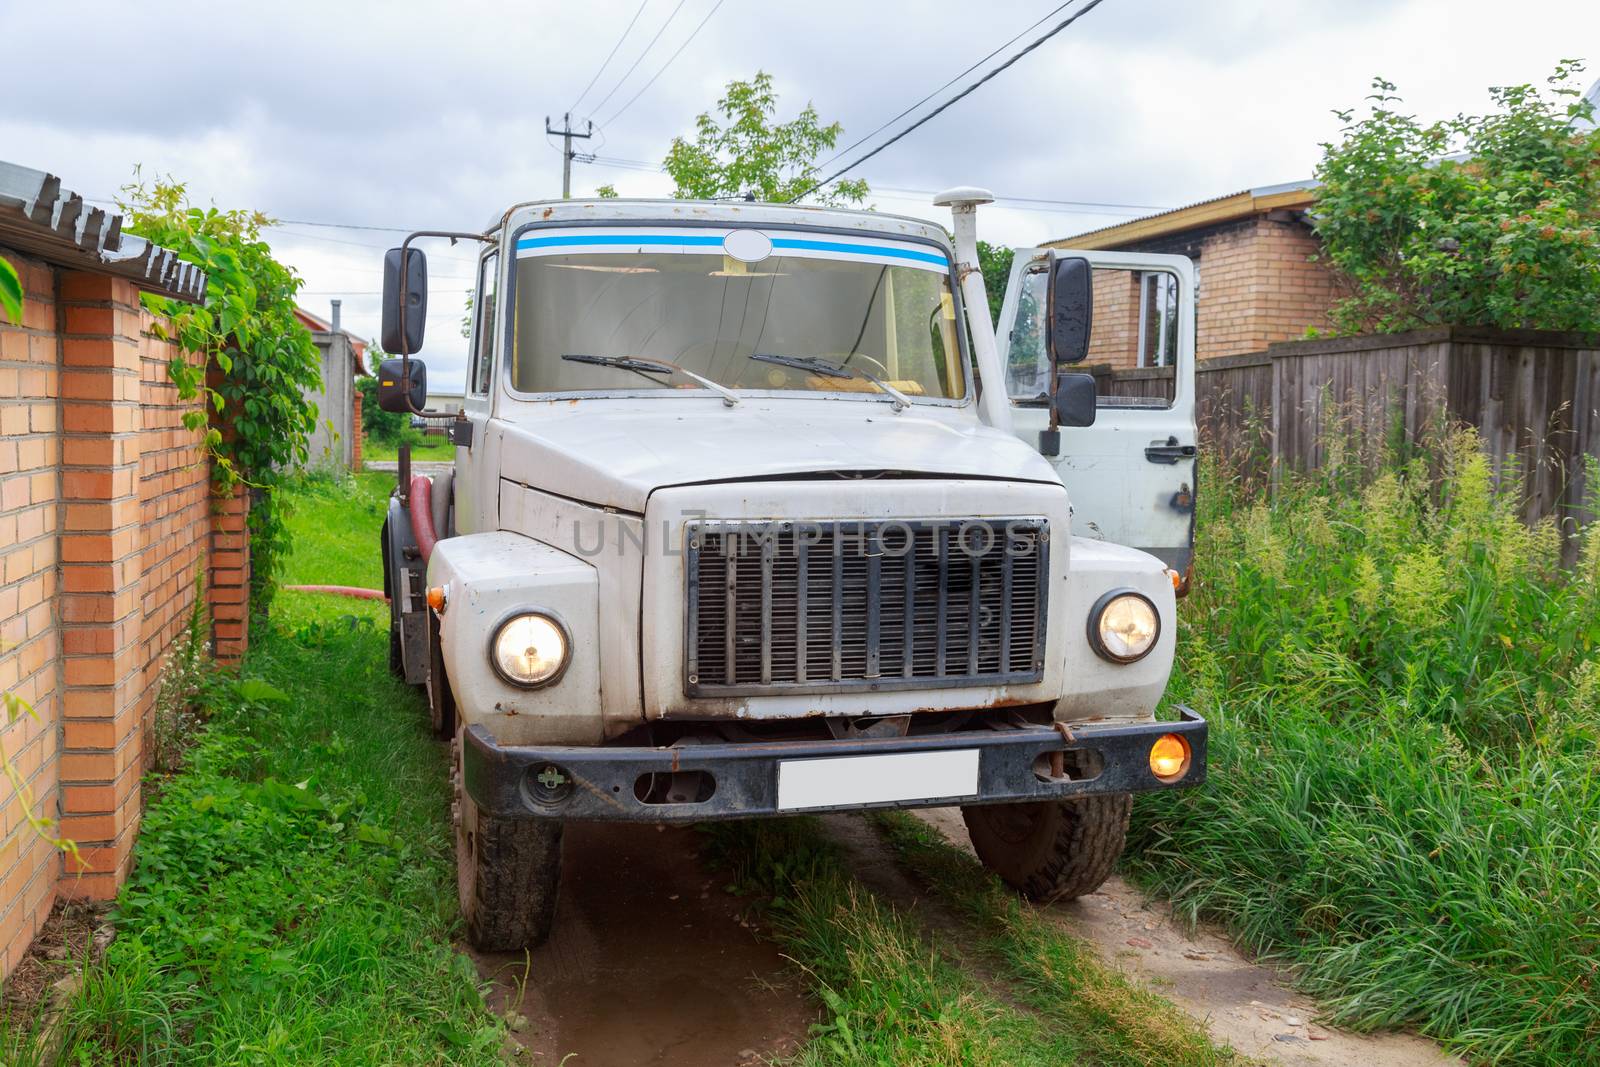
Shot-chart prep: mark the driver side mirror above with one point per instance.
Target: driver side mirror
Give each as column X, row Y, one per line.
column 402, row 385
column 1071, row 301
column 404, row 312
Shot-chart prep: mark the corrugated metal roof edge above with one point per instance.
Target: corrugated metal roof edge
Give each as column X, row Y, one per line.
column 1201, row 213
column 40, row 217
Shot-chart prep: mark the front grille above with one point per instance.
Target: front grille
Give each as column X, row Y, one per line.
column 831, row 606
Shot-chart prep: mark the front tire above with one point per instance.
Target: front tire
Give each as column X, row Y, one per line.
column 1053, row 849
column 507, row 873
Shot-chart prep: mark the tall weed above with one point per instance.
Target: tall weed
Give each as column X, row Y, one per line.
column 1403, row 687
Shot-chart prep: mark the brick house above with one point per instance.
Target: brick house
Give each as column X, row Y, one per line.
column 1258, row 282
column 107, row 519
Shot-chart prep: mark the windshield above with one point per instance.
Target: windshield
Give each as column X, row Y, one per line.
column 880, row 308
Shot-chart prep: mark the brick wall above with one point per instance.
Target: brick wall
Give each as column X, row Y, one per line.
column 106, row 519
column 1258, row 286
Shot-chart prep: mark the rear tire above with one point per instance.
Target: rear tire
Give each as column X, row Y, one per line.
column 441, row 701
column 1053, row 849
column 507, row 873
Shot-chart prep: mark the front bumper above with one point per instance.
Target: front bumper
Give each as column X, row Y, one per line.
column 565, row 782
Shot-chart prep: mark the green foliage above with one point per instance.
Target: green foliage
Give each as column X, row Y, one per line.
column 10, row 291
column 1506, row 233
column 263, row 357
column 1403, row 688
column 607, row 192
column 995, row 262
column 293, row 895
column 747, row 152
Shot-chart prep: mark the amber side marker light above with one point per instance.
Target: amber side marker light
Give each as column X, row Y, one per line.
column 436, row 598
column 1169, row 757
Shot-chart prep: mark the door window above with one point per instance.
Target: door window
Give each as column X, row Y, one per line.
column 1133, row 344
column 483, row 340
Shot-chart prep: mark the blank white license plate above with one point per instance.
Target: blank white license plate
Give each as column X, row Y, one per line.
column 845, row 780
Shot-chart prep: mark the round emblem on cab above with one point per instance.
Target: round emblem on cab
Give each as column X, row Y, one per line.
column 747, row 246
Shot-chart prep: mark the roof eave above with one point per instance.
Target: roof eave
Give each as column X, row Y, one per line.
column 41, row 218
column 1222, row 209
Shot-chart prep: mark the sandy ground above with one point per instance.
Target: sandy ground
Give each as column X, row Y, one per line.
column 1250, row 1006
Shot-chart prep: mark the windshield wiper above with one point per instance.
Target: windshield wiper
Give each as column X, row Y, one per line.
column 648, row 365
column 829, row 369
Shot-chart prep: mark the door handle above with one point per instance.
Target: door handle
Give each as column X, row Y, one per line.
column 1168, row 452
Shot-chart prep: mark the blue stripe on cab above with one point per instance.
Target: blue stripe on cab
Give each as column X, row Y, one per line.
column 696, row 241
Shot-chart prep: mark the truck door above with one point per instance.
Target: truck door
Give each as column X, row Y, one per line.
column 476, row 479
column 1131, row 475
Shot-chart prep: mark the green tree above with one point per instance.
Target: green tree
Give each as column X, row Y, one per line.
column 1479, row 220
column 746, row 151
column 995, row 262
column 263, row 357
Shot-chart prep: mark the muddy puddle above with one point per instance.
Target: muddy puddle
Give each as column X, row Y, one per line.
column 649, row 963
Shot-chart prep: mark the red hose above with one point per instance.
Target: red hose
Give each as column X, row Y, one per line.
column 420, row 502
column 340, row 590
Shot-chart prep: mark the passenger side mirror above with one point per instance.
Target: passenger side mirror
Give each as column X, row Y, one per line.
column 404, row 313
column 1074, row 400
column 1071, row 301
column 403, row 385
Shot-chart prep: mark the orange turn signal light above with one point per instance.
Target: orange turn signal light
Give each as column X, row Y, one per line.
column 1170, row 757
column 436, row 598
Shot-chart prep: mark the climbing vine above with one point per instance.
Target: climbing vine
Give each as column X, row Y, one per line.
column 10, row 291
column 260, row 358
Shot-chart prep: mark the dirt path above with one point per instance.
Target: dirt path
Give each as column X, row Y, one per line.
column 1247, row 1005
column 650, row 963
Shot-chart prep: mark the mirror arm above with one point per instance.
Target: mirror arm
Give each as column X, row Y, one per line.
column 405, row 267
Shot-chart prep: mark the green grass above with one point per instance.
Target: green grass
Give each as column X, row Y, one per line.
column 293, row 899
column 432, row 448
column 1402, row 798
column 898, row 993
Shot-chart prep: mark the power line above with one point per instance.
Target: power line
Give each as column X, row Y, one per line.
column 968, row 91
column 862, row 140
column 610, row 55
column 618, row 113
column 1075, row 207
column 640, row 59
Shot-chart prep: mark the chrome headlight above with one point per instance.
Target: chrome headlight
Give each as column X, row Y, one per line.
column 530, row 649
column 1124, row 625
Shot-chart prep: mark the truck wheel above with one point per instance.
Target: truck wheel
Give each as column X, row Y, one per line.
column 441, row 701
column 507, row 871
column 1053, row 849
column 397, row 666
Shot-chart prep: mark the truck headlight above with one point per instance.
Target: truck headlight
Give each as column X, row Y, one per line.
column 530, row 649
column 1123, row 625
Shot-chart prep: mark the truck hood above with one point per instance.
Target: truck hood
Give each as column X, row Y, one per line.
column 615, row 453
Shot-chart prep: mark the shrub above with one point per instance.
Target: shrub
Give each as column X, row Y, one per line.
column 1403, row 691
column 1479, row 220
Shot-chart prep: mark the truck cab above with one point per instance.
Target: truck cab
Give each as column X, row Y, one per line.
column 753, row 513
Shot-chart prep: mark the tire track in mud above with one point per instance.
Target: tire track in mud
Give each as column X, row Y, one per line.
column 650, row 962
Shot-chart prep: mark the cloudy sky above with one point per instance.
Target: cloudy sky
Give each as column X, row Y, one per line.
column 410, row 115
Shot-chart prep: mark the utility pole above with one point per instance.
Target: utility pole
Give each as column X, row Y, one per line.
column 567, row 134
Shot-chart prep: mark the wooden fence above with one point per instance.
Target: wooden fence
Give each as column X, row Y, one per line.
column 1533, row 396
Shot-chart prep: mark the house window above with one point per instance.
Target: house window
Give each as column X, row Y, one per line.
column 1158, row 319
column 483, row 345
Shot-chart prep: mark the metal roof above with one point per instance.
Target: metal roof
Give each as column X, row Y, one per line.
column 1243, row 204
column 41, row 218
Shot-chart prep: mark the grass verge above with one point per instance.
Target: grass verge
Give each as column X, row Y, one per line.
column 894, row 997
column 293, row 896
column 431, row 448
column 1404, row 696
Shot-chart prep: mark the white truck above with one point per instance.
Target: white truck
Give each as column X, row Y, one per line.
column 754, row 513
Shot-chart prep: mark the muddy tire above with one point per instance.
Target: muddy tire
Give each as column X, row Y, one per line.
column 441, row 701
column 1051, row 850
column 507, row 871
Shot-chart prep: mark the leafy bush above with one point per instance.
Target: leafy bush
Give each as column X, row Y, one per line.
column 263, row 358
column 1479, row 220
column 1403, row 691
